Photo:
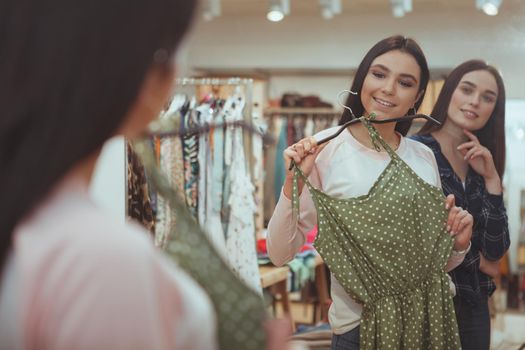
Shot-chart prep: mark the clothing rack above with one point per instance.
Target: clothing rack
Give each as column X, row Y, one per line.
column 246, row 84
column 288, row 112
column 213, row 81
column 224, row 88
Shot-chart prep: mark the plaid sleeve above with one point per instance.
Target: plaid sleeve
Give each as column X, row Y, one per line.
column 494, row 236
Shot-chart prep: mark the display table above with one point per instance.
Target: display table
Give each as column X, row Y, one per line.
column 276, row 279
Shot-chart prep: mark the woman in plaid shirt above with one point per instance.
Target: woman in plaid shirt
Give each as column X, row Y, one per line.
column 470, row 151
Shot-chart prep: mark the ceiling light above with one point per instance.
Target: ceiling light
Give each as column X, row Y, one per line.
column 330, row 8
column 400, row 7
column 275, row 14
column 277, row 9
column 211, row 9
column 490, row 7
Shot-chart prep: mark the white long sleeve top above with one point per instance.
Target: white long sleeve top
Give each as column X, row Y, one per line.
column 343, row 169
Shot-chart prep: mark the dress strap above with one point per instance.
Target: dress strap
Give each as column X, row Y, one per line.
column 298, row 173
column 377, row 140
column 295, row 189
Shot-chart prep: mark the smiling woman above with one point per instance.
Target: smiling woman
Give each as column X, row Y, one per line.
column 379, row 255
column 470, row 151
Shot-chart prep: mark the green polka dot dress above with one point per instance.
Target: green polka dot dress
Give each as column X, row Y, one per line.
column 388, row 249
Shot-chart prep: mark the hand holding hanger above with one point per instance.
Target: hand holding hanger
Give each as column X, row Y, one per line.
column 302, row 153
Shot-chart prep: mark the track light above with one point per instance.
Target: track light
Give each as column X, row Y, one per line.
column 277, row 9
column 330, row 8
column 211, row 9
column 490, row 7
column 400, row 7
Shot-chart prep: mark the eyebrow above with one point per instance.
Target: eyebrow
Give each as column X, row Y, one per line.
column 405, row 75
column 466, row 82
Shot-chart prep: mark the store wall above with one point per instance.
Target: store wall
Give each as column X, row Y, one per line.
column 339, row 44
column 326, row 87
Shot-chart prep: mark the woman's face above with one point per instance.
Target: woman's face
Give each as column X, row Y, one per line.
column 391, row 85
column 473, row 101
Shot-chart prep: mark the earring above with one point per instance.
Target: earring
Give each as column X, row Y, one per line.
column 413, row 110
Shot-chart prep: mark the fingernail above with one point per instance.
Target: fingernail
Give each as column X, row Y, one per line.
column 446, row 206
column 448, row 227
column 452, row 233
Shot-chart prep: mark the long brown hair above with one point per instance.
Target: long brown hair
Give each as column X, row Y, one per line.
column 492, row 135
column 69, row 72
column 396, row 42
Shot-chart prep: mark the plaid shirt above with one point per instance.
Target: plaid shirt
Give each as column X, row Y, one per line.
column 490, row 235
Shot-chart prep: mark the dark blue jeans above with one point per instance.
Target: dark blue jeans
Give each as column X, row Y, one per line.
column 346, row 341
column 473, row 324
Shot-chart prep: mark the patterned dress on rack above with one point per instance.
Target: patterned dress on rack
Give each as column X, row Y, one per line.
column 190, row 151
column 139, row 205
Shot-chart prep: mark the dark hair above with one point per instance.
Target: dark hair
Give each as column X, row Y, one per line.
column 492, row 135
column 396, row 42
column 69, row 72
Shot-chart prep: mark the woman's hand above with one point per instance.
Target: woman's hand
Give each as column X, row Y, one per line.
column 480, row 159
column 303, row 154
column 490, row 268
column 459, row 224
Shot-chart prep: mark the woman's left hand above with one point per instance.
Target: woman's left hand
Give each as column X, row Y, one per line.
column 459, row 224
column 478, row 156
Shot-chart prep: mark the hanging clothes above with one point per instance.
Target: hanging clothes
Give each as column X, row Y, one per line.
column 240, row 238
column 139, row 205
column 270, row 156
column 190, row 152
column 209, row 217
column 171, row 162
column 280, row 167
column 388, row 249
column 217, row 177
column 217, row 187
column 205, row 116
column 309, row 128
column 240, row 312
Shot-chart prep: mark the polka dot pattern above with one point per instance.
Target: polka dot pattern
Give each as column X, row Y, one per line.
column 388, row 249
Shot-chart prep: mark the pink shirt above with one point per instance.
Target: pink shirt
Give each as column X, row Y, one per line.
column 77, row 279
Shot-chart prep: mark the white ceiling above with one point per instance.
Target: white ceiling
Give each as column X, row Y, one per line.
column 243, row 42
column 355, row 7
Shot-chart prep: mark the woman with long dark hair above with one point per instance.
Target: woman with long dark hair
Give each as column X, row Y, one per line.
column 72, row 75
column 376, row 199
column 470, row 151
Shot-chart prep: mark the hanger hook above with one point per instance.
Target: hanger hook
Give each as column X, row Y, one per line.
column 342, row 104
